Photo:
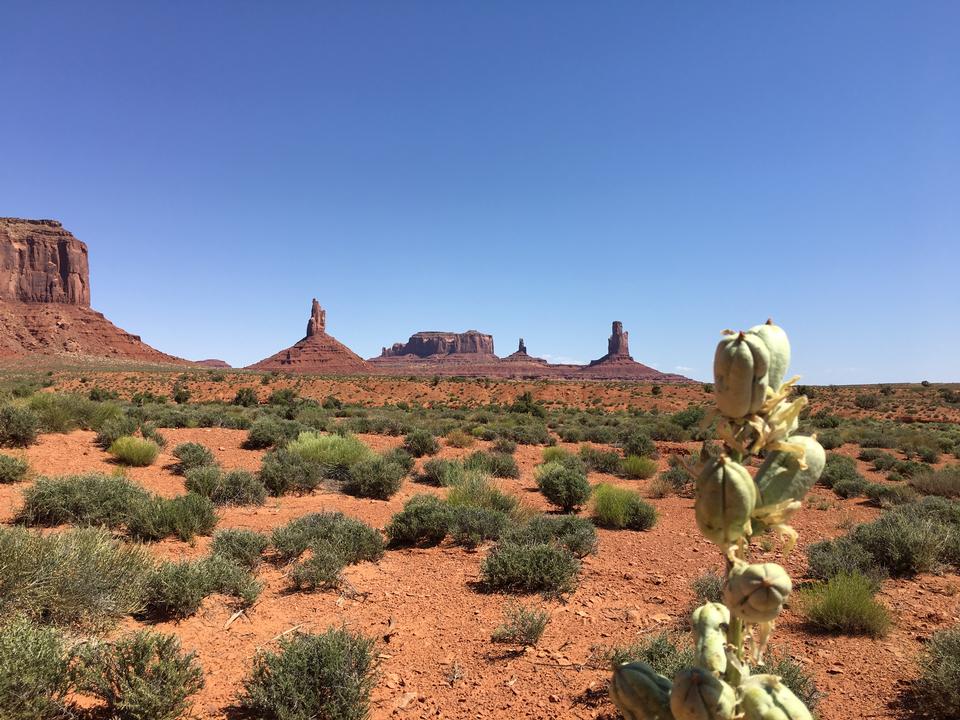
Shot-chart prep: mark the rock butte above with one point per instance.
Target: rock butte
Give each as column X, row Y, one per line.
column 45, row 298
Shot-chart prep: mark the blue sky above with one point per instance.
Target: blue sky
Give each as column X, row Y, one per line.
column 531, row 169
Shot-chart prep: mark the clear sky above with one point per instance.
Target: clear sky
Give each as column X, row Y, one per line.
column 531, row 169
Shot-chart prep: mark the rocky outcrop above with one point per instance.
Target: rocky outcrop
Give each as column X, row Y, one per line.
column 213, row 363
column 40, row 262
column 430, row 344
column 618, row 344
column 317, row 353
column 521, row 356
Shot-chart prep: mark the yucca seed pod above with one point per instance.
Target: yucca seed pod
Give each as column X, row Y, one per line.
column 710, row 623
column 756, row 593
column 640, row 693
column 765, row 697
column 726, row 497
column 740, row 367
column 778, row 347
column 784, row 477
column 699, row 695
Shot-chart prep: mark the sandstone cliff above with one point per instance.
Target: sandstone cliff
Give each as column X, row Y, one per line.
column 428, row 344
column 40, row 262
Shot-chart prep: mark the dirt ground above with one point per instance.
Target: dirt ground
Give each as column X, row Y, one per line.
column 434, row 626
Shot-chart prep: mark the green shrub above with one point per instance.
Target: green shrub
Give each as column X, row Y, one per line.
column 184, row 516
column 135, row 452
column 12, row 469
column 459, row 439
column 91, row 499
column 61, row 413
column 658, row 651
column 471, row 526
column 269, row 432
column 889, row 495
column 504, row 446
column 402, row 458
column 321, row 570
column 236, row 487
column 944, row 482
column 34, row 672
column 794, row 676
column 619, row 508
column 837, row 468
column 829, row 558
column 246, row 397
column 80, row 578
column 377, row 478
column 313, row 677
column 603, row 461
column 192, row 455
column 638, row 468
column 476, row 490
column 707, row 588
column 576, row 534
column 283, row 471
column 830, row 440
column 336, row 454
column 561, row 455
column 176, row 589
column 845, row 605
column 866, row 401
column 441, row 473
column 114, row 428
column 357, row 540
column 567, row 489
column 674, row 479
column 243, row 547
column 424, row 521
column 521, row 626
column 421, row 442
column 938, row 686
column 18, row 426
column 902, row 543
column 496, row 464
column 850, row 487
column 180, row 394
column 143, row 676
column 638, row 443
column 545, row 568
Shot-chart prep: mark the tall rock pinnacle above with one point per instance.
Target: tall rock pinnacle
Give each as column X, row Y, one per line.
column 618, row 344
column 317, row 324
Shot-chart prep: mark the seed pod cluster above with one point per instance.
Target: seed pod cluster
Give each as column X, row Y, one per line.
column 765, row 697
column 784, row 476
column 710, row 623
column 756, row 593
column 740, row 368
column 726, row 497
column 641, row 693
column 700, row 695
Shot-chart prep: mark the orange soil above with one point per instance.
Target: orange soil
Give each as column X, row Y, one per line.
column 434, row 627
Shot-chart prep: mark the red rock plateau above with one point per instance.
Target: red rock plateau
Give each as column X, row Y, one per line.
column 471, row 354
column 317, row 353
column 213, row 363
column 45, row 299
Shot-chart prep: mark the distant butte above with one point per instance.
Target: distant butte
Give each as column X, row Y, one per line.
column 317, row 352
column 45, row 299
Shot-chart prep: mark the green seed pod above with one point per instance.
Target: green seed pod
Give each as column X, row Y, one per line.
column 726, row 496
column 765, row 697
column 641, row 693
column 740, row 368
column 756, row 593
column 778, row 346
column 710, row 624
column 699, row 695
column 781, row 477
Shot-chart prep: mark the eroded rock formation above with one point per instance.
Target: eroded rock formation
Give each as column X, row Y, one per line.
column 317, row 352
column 40, row 262
column 429, row 344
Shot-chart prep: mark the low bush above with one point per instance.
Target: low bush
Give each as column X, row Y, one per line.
column 442, row 473
column 504, row 446
column 421, row 442
column 81, row 578
column 830, row 440
column 603, row 461
column 192, row 455
column 402, row 458
column 521, row 626
column 143, row 676
column 243, row 547
column 794, row 676
column 12, row 469
column 377, row 478
column 176, row 589
column 889, row 495
column 471, row 526
column 459, row 439
column 545, row 568
column 658, row 651
column 424, row 520
column 35, row 675
column 638, row 468
column 270, row 431
column 114, row 428
column 357, row 541
column 866, row 401
column 618, row 508
column 572, row 533
column 843, row 556
column 336, row 454
column 497, row 464
column 246, row 397
column 903, row 543
column 91, row 499
column 566, row 488
column 313, row 677
column 707, row 588
column 184, row 516
column 837, row 468
column 850, row 487
column 944, row 482
column 476, row 490
column 638, row 443
column 236, row 487
column 675, row 479
column 283, row 472
column 133, row 451
column 845, row 605
column 18, row 426
column 938, row 686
